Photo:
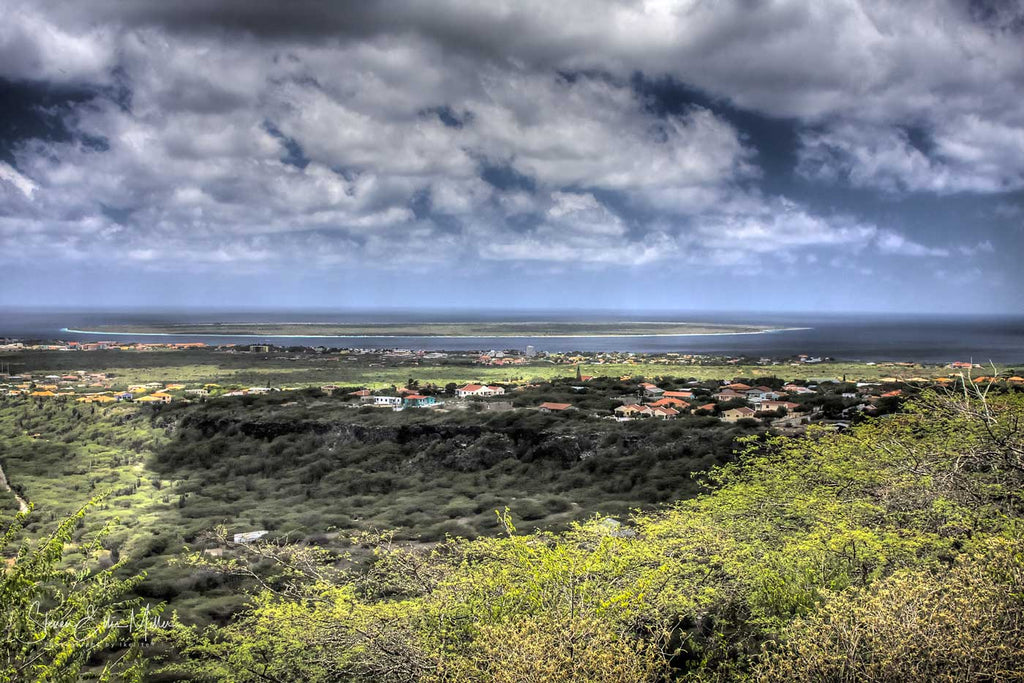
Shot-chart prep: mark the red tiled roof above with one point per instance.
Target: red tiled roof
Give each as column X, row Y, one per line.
column 555, row 406
column 668, row 402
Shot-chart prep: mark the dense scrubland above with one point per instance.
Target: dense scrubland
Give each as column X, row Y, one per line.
column 892, row 551
column 311, row 467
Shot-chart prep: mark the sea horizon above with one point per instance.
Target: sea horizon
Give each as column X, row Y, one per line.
column 932, row 338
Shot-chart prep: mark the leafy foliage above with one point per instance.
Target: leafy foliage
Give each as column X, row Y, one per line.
column 891, row 552
column 56, row 620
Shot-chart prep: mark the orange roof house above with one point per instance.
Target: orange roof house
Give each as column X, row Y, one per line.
column 678, row 394
column 666, row 402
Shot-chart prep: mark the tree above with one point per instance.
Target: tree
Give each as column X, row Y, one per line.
column 55, row 619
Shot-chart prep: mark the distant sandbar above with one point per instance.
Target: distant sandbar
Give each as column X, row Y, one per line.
column 434, row 329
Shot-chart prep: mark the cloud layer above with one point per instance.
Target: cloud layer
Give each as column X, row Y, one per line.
column 248, row 134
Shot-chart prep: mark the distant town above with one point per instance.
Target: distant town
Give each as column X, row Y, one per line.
column 786, row 406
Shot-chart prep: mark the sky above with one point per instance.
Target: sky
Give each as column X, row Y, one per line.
column 817, row 155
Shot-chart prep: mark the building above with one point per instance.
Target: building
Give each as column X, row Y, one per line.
column 549, row 407
column 678, row 394
column 668, row 402
column 250, row 536
column 630, row 410
column 479, row 390
column 775, row 405
column 737, row 414
column 728, row 395
column 758, row 394
column 418, row 401
column 388, row 401
column 157, row 397
column 651, row 389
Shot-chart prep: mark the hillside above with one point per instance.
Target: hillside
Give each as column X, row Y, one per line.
column 889, row 553
column 309, row 467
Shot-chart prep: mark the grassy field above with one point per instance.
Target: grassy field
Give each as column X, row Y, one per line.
column 309, row 369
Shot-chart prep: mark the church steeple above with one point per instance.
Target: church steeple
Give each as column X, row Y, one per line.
column 579, row 375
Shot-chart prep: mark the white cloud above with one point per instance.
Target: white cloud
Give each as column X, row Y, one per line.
column 398, row 113
column 20, row 182
column 898, row 245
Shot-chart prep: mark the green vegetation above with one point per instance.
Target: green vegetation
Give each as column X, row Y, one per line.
column 893, row 552
column 57, row 618
column 455, row 329
column 309, row 467
column 306, row 368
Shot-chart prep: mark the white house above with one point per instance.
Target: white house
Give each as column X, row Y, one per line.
column 478, row 390
column 392, row 401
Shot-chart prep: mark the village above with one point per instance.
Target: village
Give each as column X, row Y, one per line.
column 787, row 407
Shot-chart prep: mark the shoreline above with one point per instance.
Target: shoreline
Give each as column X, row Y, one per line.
column 428, row 336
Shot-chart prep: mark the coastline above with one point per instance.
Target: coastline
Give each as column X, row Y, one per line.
column 428, row 336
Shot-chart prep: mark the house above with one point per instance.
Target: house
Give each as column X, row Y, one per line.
column 362, row 393
column 668, row 402
column 796, row 389
column 678, row 394
column 737, row 414
column 728, row 395
column 710, row 407
column 157, row 397
column 201, row 393
column 738, row 386
column 629, row 410
column 548, row 407
column 418, row 401
column 775, row 405
column 664, row 412
column 97, row 398
column 388, row 401
column 125, row 396
column 479, row 390
column 651, row 389
column 758, row 394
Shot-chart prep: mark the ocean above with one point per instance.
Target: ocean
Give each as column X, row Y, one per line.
column 851, row 337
